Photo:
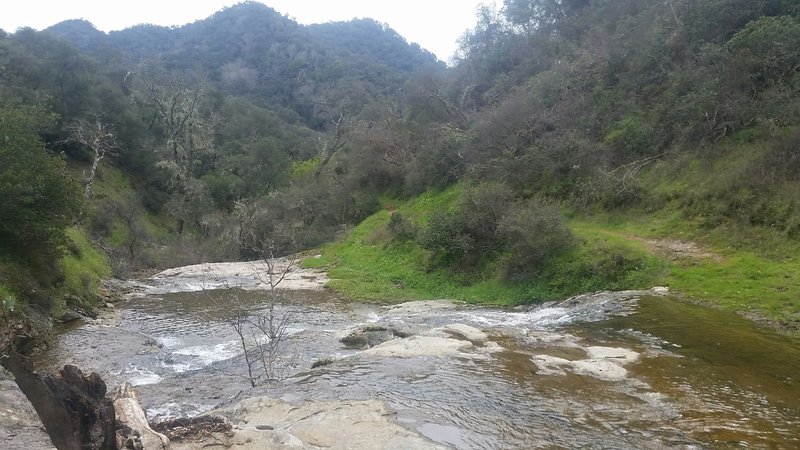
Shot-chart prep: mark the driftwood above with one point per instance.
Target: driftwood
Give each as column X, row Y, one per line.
column 71, row 405
column 191, row 428
column 133, row 431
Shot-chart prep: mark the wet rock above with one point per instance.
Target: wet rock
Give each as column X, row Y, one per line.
column 551, row 365
column 152, row 342
column 372, row 335
column 449, row 340
column 469, row 333
column 659, row 290
column 419, row 346
column 69, row 315
column 420, row 307
column 600, row 369
column 604, row 363
column 249, row 275
column 619, row 355
column 335, row 425
column 322, row 362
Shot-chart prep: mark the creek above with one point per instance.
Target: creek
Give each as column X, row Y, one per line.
column 620, row 370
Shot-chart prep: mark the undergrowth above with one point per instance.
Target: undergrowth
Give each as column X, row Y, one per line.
column 84, row 267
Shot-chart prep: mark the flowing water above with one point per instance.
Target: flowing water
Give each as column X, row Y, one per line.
column 606, row 371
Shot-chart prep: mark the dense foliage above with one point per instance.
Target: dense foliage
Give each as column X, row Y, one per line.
column 38, row 199
column 248, row 129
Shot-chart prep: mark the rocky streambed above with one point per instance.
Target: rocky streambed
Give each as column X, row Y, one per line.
column 607, row 370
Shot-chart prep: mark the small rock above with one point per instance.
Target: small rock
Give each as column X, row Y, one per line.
column 151, row 342
column 70, row 315
column 660, row 290
column 467, row 332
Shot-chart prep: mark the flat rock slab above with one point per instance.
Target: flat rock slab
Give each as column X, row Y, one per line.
column 252, row 275
column 454, row 339
column 267, row 423
column 604, row 363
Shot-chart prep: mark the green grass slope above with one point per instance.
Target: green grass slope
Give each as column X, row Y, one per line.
column 369, row 264
column 749, row 268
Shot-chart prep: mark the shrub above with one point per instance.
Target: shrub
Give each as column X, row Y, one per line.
column 445, row 238
column 631, row 136
column 402, row 228
column 534, row 233
column 462, row 238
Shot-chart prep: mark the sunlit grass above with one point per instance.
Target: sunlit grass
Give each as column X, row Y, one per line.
column 84, row 266
column 369, row 265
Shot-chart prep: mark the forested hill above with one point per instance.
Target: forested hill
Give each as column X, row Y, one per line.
column 567, row 132
column 168, row 145
column 250, row 49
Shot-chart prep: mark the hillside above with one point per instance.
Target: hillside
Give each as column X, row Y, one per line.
column 168, row 143
column 251, row 50
column 569, row 145
column 641, row 121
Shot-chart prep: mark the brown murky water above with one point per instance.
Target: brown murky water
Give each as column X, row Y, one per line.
column 702, row 378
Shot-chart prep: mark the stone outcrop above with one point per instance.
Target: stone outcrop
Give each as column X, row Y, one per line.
column 267, row 423
column 450, row 340
column 604, row 363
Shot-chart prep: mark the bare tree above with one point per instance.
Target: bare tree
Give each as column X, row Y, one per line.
column 188, row 136
column 275, row 324
column 334, row 142
column 98, row 136
column 262, row 334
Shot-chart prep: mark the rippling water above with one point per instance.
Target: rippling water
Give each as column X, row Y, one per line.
column 703, row 378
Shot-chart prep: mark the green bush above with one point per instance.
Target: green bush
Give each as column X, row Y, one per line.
column 534, row 233
column 598, row 265
column 631, row 136
column 445, row 238
column 37, row 198
column 462, row 238
column 8, row 300
column 402, row 228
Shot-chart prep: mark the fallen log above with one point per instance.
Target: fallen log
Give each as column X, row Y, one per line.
column 193, row 428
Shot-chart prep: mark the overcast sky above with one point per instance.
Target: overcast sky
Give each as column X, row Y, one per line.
column 434, row 24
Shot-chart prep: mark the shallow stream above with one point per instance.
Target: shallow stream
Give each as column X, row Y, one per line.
column 606, row 371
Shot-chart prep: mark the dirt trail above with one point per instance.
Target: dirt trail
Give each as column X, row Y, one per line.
column 675, row 249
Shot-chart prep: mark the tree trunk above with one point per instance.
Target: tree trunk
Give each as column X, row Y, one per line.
column 133, row 431
column 72, row 406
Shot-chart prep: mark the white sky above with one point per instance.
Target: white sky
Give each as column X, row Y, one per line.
column 434, row 24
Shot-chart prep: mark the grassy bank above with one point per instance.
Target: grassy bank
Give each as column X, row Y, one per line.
column 748, row 270
column 73, row 281
column 84, row 267
column 369, row 264
column 754, row 271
